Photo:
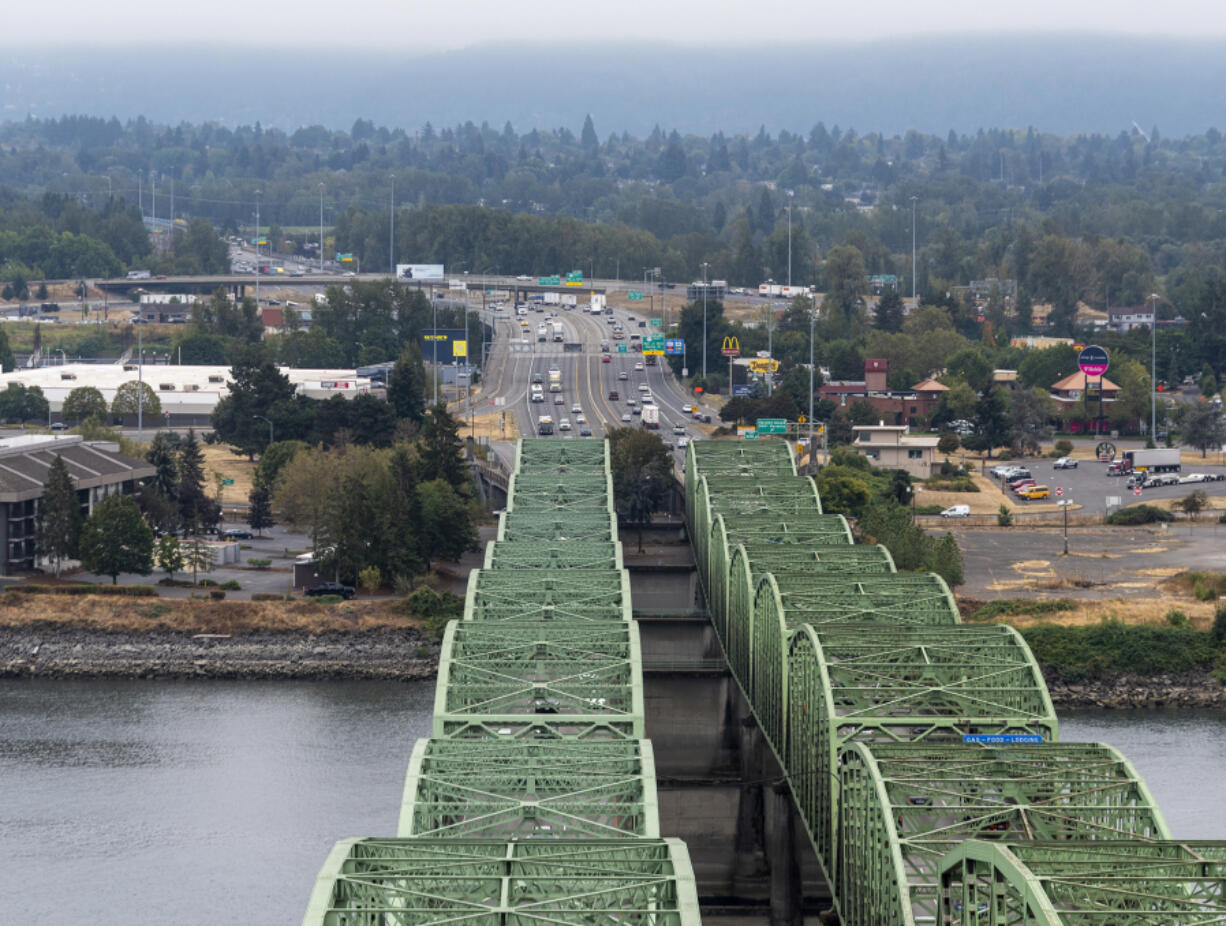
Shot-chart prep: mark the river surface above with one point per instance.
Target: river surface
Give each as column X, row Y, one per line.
column 218, row 801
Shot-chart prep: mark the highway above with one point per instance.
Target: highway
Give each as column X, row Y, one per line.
column 586, row 381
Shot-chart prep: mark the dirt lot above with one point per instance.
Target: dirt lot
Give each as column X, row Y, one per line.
column 1124, row 572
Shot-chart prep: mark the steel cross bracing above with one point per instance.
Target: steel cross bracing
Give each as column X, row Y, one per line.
column 573, row 678
column 547, row 594
column 572, row 882
column 572, row 554
column 710, row 458
column 1119, row 883
column 514, row 789
column 870, row 683
column 732, row 593
column 558, row 526
column 903, row 806
column 540, row 493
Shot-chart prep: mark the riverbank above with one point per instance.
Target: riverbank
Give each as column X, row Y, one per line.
column 1191, row 690
column 57, row 651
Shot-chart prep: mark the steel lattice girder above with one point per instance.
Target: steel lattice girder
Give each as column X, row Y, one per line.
column 573, row 554
column 757, row 645
column 733, row 593
column 710, row 457
column 556, row 454
column 1124, row 883
column 599, row 595
column 869, row 683
column 558, row 526
column 714, row 557
column 567, row 676
column 559, row 789
column 903, row 806
column 412, row 882
column 558, row 493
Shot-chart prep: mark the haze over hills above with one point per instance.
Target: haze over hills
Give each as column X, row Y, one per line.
column 1062, row 84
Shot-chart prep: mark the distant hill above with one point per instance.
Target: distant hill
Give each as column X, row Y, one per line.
column 1061, row 84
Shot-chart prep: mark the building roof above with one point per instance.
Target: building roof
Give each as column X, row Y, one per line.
column 1078, row 381
column 1004, row 376
column 929, row 385
column 24, row 462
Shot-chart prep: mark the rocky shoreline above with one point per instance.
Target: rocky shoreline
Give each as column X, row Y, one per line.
column 1193, row 690
column 76, row 653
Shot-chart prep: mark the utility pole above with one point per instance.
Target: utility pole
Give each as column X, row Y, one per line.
column 391, row 235
column 812, row 316
column 1153, row 372
column 257, row 250
column 705, row 265
column 321, row 228
column 140, row 382
column 789, row 242
column 913, row 199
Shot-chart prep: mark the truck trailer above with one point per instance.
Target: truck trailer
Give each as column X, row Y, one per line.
column 1158, row 460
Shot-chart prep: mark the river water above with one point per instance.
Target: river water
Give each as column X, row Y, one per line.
column 218, row 801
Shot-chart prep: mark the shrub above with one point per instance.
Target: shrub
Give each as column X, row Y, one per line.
column 1063, row 448
column 1218, row 631
column 1004, row 516
column 437, row 608
column 927, row 509
column 422, row 651
column 957, row 484
column 267, row 596
column 1176, row 618
column 1202, row 592
column 1112, row 648
column 328, row 599
column 1006, row 606
column 259, row 563
column 230, row 585
column 370, row 579
column 122, row 591
column 154, row 611
column 1139, row 514
column 216, row 594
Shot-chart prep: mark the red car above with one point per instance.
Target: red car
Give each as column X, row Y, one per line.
column 1021, row 484
column 606, row 359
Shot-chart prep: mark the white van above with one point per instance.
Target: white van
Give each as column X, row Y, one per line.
column 957, row 511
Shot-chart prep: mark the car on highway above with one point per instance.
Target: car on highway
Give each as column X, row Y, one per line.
column 606, row 359
column 631, row 401
column 678, row 429
column 564, row 424
column 638, row 367
column 622, row 374
column 576, row 409
column 626, row 418
column 682, row 443
column 585, row 431
column 538, row 377
column 580, row 418
column 957, row 511
column 614, row 395
column 330, row 588
column 1065, row 463
column 1034, row 493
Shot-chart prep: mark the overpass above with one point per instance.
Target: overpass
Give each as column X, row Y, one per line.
column 920, row 757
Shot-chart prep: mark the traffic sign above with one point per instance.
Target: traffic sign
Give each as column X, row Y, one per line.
column 634, row 295
column 227, row 482
column 741, row 390
column 574, row 276
column 621, row 348
column 1093, row 360
column 772, row 426
column 1137, row 491
column 1059, row 491
column 653, row 344
column 549, row 281
column 674, row 347
column 657, row 323
column 751, row 435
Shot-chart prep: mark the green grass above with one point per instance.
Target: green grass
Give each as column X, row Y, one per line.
column 1029, row 606
column 1111, row 649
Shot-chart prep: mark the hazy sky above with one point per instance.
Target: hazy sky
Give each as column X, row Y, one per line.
column 447, row 24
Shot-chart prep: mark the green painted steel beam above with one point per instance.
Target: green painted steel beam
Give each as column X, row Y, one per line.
column 852, row 683
column 556, row 789
column 566, row 882
column 577, row 679
column 552, row 492
column 904, row 806
column 710, row 457
column 558, row 526
column 539, row 454
column 536, row 554
column 758, row 636
column 598, row 595
column 1125, row 883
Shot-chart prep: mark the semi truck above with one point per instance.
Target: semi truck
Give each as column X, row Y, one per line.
column 1158, row 460
column 651, row 416
column 542, row 333
column 557, row 332
column 555, row 380
column 544, row 425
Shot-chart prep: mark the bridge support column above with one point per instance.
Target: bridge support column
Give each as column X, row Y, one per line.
column 787, row 908
column 750, row 847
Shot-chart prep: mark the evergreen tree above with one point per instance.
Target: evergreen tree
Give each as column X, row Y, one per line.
column 401, row 517
column 588, row 137
column 439, row 447
column 59, row 516
column 196, row 509
column 115, row 539
column 168, row 554
column 889, row 312
column 407, row 389
column 259, row 516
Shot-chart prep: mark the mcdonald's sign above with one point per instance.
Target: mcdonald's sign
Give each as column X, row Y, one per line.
column 731, row 348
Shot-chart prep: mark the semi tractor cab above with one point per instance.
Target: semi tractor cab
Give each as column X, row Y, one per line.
column 544, row 425
column 555, row 380
column 541, row 333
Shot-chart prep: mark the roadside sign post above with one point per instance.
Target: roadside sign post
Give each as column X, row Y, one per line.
column 730, row 349
column 1093, row 361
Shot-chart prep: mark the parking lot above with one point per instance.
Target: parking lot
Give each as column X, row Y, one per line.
column 1090, row 488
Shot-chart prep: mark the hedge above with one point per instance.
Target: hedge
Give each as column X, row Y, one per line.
column 1139, row 514
column 1111, row 648
column 124, row 591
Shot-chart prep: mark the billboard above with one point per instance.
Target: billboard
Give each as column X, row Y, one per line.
column 428, row 272
column 443, row 343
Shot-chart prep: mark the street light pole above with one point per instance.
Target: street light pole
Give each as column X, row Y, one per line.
column 913, row 199
column 391, row 234
column 812, row 315
column 789, row 242
column 257, row 250
column 321, row 228
column 262, row 418
column 1153, row 372
column 705, row 265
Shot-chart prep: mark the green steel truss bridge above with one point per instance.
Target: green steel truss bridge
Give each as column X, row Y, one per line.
column 535, row 799
column 922, row 754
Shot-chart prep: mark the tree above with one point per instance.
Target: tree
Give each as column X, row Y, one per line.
column 948, row 443
column 127, row 401
column 257, row 391
column 19, row 403
column 406, row 391
column 197, row 556
column 991, row 424
column 889, row 316
column 971, row 367
column 84, row 402
column 259, row 515
column 58, row 528
column 843, row 492
column 439, row 448
column 370, row 579
column 7, row 361
column 168, row 554
column 642, row 475
column 1194, row 503
column 1030, row 412
column 274, row 457
column 115, row 539
column 446, row 528
column 1202, row 427
column 197, row 511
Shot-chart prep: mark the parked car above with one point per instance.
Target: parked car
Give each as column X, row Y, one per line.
column 1018, row 484
column 957, row 511
column 330, row 588
column 1033, row 493
column 236, row 533
column 1065, row 463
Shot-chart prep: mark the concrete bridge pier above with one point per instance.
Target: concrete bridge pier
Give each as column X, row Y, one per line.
column 750, row 847
column 787, row 898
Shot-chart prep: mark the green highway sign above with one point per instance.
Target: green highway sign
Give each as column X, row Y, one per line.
column 227, row 482
column 549, row 281
column 634, row 295
column 574, row 276
column 772, row 426
column 653, row 344
column 621, row 348
column 657, row 323
column 750, row 435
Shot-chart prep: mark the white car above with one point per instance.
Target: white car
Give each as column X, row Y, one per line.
column 682, row 443
column 678, row 429
column 564, row 424
column 579, row 419
column 957, row 511
column 626, row 417
column 1194, row 477
column 638, row 367
column 576, row 409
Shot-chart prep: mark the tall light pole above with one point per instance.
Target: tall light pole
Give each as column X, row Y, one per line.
column 913, row 199
column 321, row 228
column 789, row 242
column 705, row 265
column 391, row 235
column 256, row 239
column 812, row 316
column 1153, row 372
column 262, row 418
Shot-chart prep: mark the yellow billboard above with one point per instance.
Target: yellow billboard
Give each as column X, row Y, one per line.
column 762, row 365
column 459, row 348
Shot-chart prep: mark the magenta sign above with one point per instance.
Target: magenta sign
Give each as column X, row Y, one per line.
column 1093, row 361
